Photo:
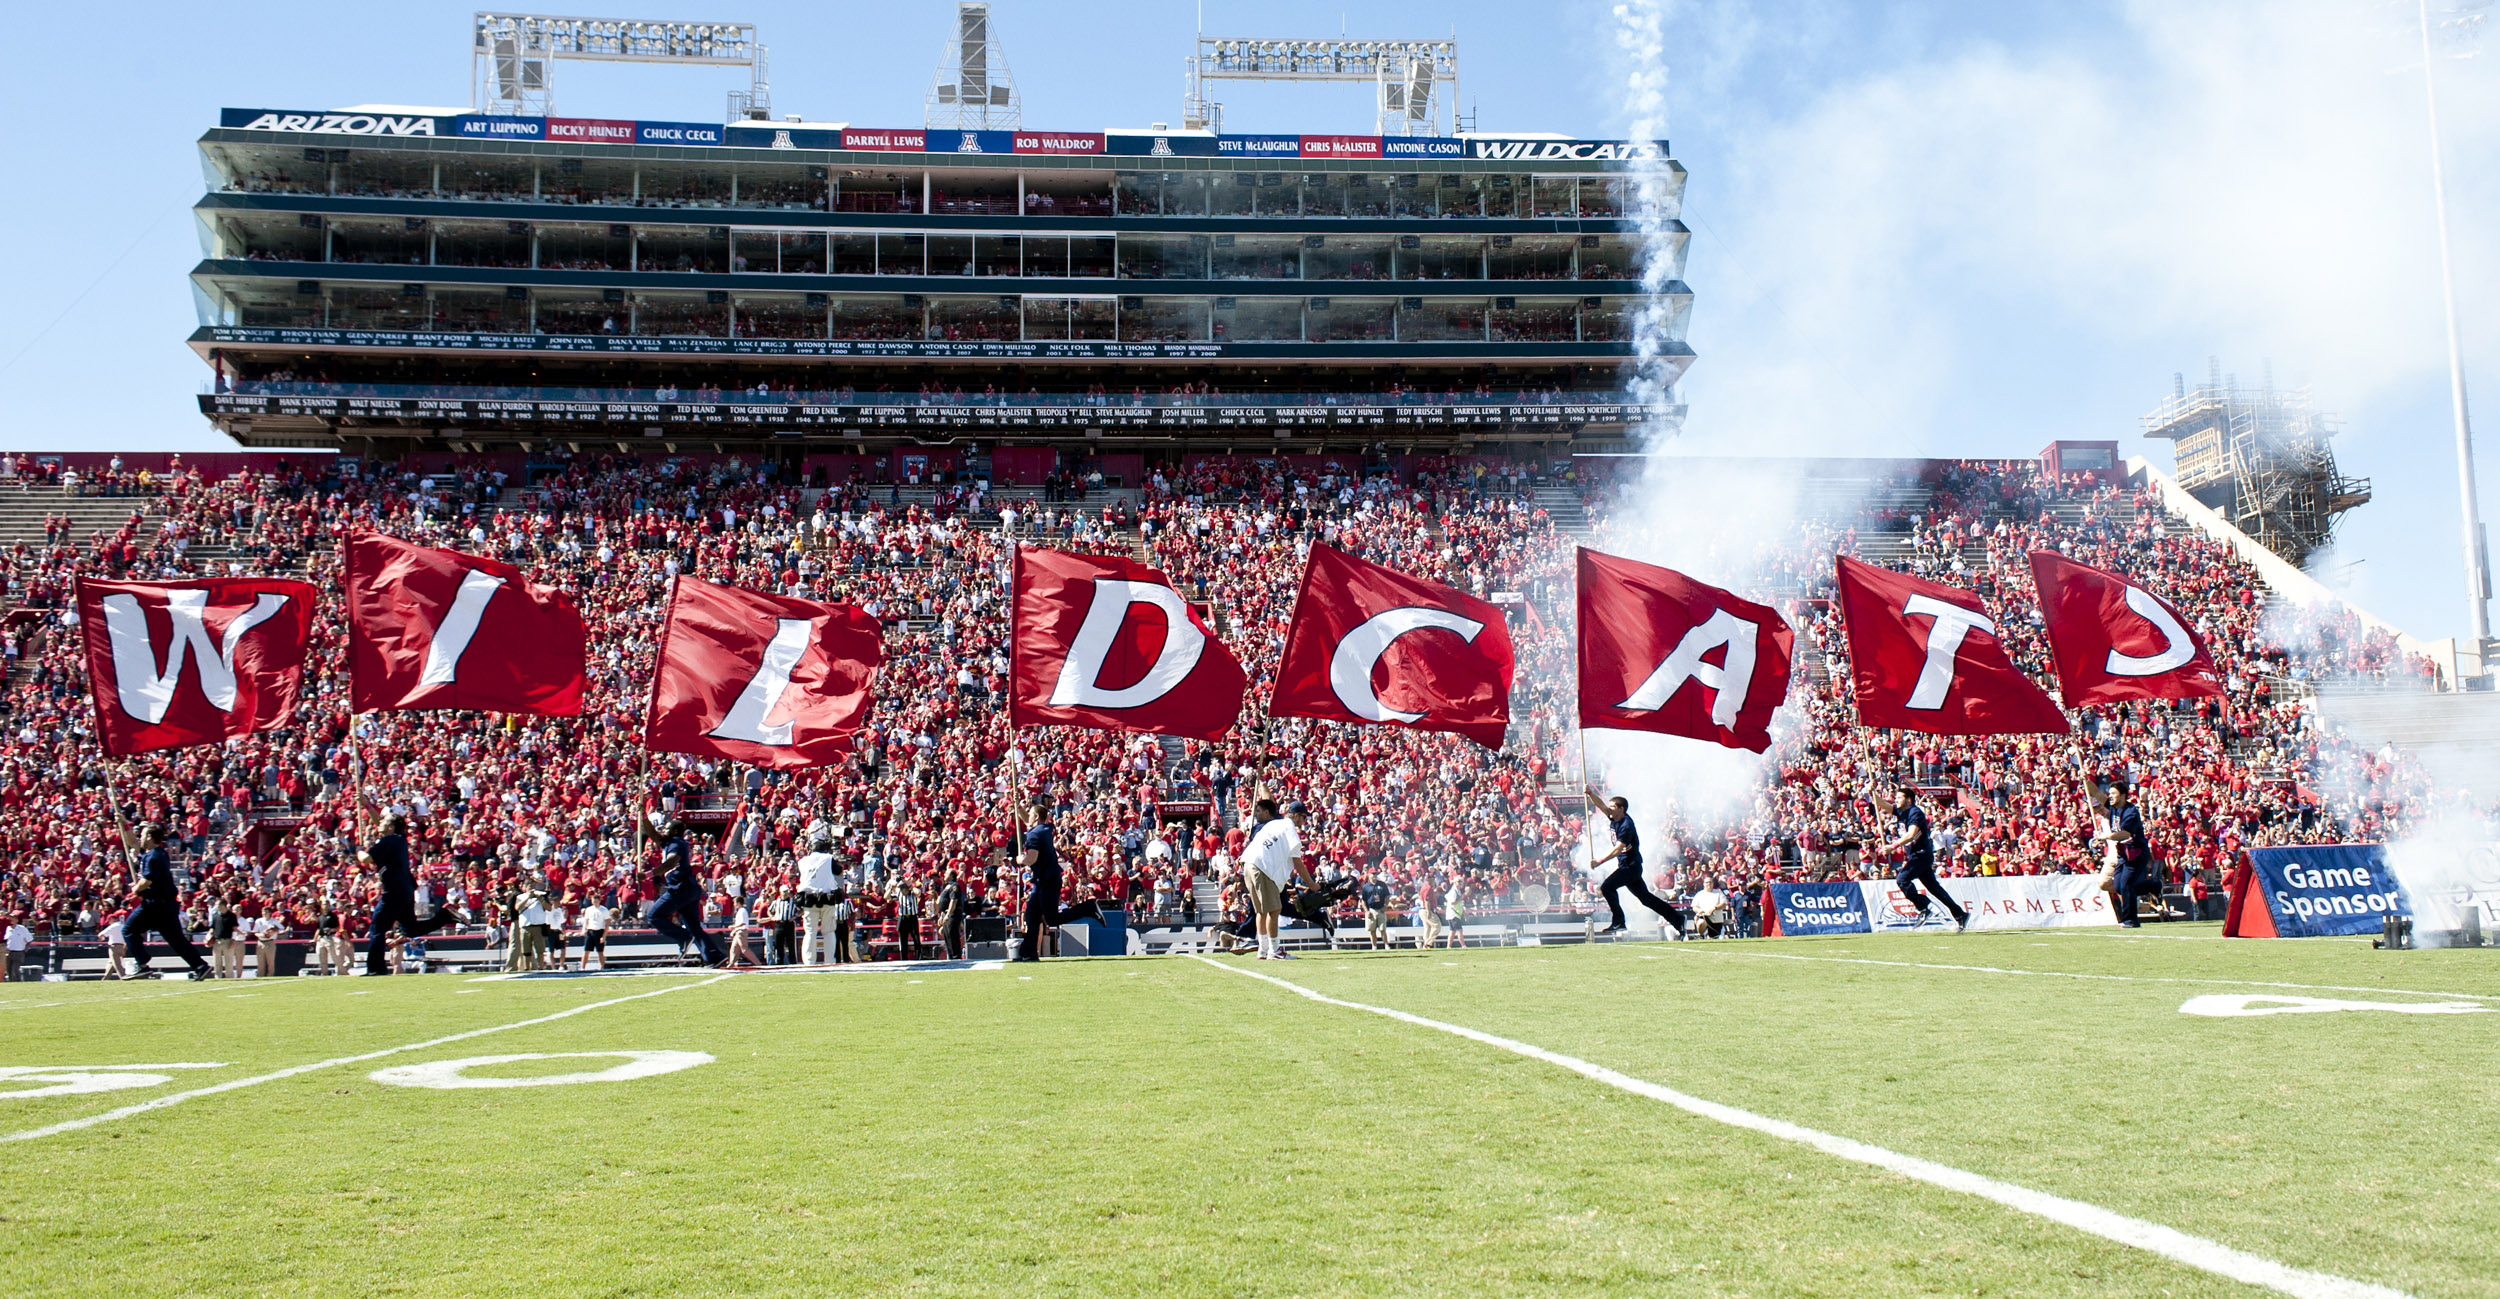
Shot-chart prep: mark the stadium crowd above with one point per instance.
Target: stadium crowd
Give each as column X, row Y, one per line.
column 516, row 816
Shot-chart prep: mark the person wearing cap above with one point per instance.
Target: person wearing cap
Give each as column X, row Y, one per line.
column 156, row 909
column 1274, row 859
column 1375, row 895
column 820, row 888
column 1042, row 912
column 397, row 902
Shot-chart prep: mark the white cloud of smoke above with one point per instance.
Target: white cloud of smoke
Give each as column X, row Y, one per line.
column 1900, row 246
column 2450, row 870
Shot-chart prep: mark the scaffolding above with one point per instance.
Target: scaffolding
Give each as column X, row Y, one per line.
column 973, row 90
column 2261, row 457
column 513, row 57
column 1415, row 83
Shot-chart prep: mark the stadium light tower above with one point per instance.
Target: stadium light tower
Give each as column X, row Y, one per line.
column 1409, row 76
column 973, row 90
column 2477, row 549
column 513, row 55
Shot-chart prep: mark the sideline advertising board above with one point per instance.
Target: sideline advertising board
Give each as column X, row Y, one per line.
column 1997, row 902
column 2328, row 891
column 1811, row 910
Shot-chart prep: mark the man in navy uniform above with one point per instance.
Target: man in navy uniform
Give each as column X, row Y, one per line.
column 1042, row 912
column 1917, row 847
column 2135, row 876
column 1627, row 872
column 678, row 912
column 158, row 909
column 397, row 904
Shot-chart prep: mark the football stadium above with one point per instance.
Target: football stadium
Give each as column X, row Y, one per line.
column 963, row 709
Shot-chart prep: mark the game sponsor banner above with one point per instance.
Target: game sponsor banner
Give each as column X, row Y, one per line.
column 274, row 119
column 1998, row 902
column 1806, row 910
column 2329, row 891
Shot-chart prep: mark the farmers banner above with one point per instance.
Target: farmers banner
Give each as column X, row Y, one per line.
column 1997, row 902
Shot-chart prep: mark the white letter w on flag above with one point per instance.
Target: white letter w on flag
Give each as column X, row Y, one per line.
column 147, row 693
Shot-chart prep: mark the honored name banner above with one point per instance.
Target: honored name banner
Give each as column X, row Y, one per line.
column 557, row 409
column 1997, row 902
column 1807, row 910
column 645, row 345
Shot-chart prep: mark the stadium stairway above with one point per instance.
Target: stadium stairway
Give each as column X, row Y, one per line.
column 23, row 510
column 1562, row 505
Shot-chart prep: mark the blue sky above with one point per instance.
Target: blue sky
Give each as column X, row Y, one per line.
column 1920, row 228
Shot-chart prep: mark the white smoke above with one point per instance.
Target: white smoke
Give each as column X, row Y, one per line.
column 1653, row 197
column 1725, row 522
column 2450, row 870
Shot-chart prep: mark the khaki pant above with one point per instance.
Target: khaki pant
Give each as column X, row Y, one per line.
column 1267, row 897
column 1376, row 925
column 1432, row 929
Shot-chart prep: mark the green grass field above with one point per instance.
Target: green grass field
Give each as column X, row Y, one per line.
column 1161, row 1126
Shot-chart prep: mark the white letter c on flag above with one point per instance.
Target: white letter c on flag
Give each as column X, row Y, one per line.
column 1350, row 668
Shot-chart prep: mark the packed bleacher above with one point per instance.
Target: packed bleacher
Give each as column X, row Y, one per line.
column 499, row 804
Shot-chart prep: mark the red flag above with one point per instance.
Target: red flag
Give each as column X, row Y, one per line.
column 1647, row 638
column 1102, row 641
column 439, row 629
column 1926, row 658
column 762, row 679
column 176, row 663
column 1371, row 644
column 2115, row 640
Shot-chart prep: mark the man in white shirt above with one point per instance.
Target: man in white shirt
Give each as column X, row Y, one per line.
column 1272, row 859
column 17, row 938
column 595, row 934
column 820, row 887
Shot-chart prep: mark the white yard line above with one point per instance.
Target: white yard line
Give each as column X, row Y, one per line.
column 177, row 1098
column 2135, row 1233
column 1715, row 949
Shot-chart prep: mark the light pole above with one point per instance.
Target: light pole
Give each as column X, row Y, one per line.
column 2477, row 557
